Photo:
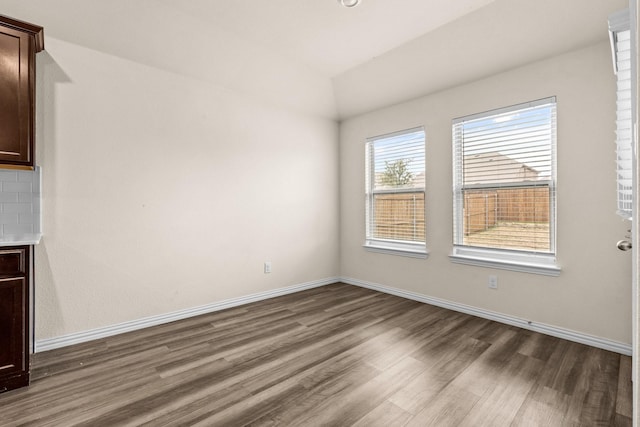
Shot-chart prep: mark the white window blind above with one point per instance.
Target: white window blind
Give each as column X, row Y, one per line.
column 395, row 192
column 504, row 178
column 621, row 49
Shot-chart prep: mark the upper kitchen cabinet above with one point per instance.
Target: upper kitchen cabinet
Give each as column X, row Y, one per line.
column 19, row 43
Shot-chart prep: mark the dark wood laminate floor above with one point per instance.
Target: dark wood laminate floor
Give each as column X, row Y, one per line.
column 336, row 355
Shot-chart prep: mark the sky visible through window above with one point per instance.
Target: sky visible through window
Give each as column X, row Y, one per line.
column 522, row 135
column 406, row 146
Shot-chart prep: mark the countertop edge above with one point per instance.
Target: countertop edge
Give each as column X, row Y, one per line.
column 31, row 239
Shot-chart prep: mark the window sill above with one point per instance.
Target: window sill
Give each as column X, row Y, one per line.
column 543, row 264
column 400, row 249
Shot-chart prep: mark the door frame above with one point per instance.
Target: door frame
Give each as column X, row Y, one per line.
column 635, row 238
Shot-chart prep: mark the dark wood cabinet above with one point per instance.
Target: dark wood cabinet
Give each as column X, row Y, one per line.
column 14, row 316
column 19, row 43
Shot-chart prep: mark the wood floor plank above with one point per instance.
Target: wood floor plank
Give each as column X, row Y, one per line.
column 316, row 390
column 625, row 388
column 308, row 367
column 348, row 407
column 447, row 408
column 500, row 404
column 483, row 374
column 332, row 355
column 418, row 394
column 622, row 421
column 384, row 415
column 594, row 398
column 544, row 407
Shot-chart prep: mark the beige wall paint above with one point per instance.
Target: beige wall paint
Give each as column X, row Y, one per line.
column 163, row 191
column 593, row 293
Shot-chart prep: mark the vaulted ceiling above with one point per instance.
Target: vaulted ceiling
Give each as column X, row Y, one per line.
column 378, row 53
column 324, row 35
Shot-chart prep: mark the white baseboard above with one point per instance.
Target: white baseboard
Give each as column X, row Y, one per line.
column 542, row 328
column 120, row 328
column 93, row 334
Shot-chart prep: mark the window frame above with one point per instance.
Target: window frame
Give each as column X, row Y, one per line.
column 413, row 249
column 537, row 262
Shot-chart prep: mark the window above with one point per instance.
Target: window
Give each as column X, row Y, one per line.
column 395, row 182
column 621, row 49
column 504, row 188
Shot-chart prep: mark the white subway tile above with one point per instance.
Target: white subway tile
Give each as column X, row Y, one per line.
column 17, row 208
column 16, row 187
column 27, row 218
column 26, row 176
column 8, row 197
column 20, row 205
column 8, row 176
column 9, row 218
column 17, row 229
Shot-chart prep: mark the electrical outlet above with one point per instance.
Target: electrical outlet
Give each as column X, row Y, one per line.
column 493, row 282
column 267, row 267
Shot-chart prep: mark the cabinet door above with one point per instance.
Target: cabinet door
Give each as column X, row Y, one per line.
column 16, row 97
column 12, row 327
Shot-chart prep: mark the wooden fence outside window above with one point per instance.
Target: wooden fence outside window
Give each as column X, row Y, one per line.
column 399, row 216
column 485, row 209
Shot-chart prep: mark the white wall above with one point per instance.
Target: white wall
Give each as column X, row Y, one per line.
column 593, row 293
column 164, row 191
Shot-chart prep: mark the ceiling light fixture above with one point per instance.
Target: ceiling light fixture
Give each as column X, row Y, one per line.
column 349, row 3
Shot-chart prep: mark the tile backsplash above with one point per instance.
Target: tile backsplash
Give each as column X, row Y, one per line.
column 20, row 214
